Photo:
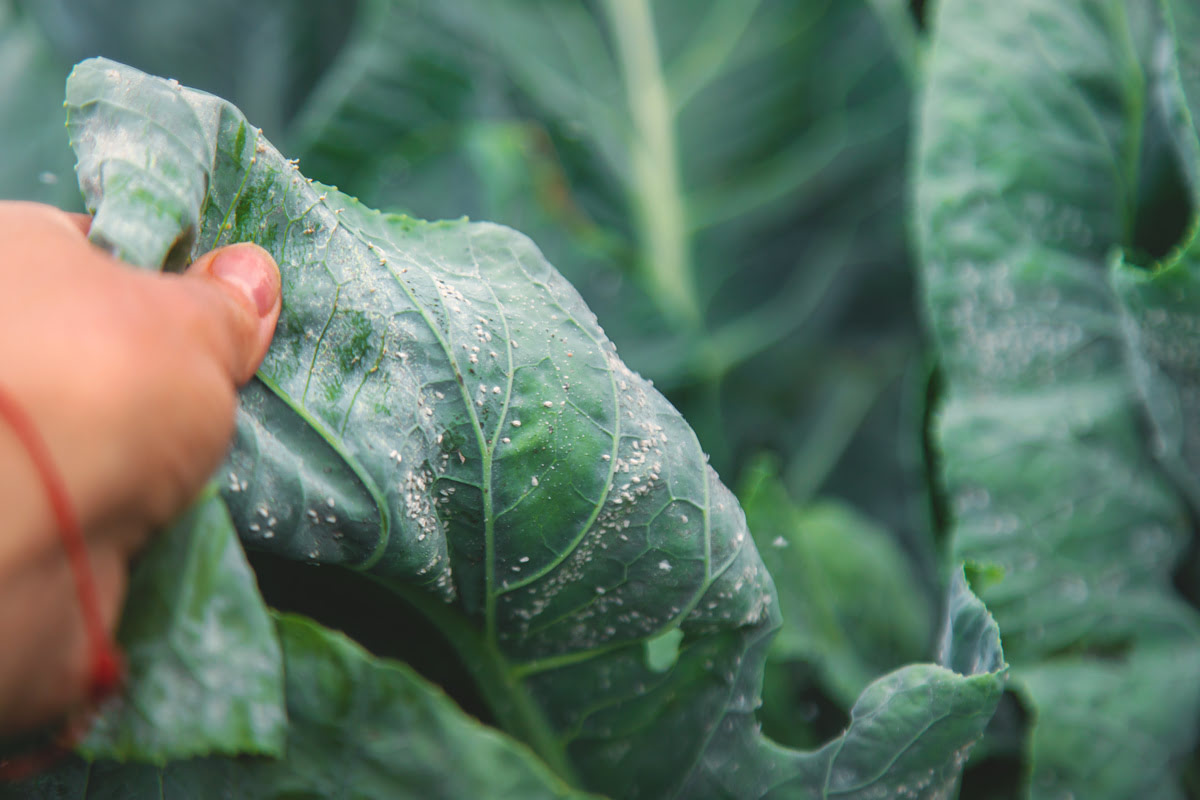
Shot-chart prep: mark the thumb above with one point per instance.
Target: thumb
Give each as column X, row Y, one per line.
column 239, row 304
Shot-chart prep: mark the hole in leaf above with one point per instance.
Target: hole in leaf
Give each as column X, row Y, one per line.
column 662, row 651
column 981, row 576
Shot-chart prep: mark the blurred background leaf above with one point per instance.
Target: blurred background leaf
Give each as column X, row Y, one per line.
column 38, row 163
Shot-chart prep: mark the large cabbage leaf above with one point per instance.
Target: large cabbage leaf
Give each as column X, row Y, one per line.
column 779, row 229
column 1027, row 171
column 440, row 411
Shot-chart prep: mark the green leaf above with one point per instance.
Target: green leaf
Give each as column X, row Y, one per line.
column 205, row 672
column 416, row 740
column 1102, row 727
column 358, row 727
column 1026, row 179
column 1160, row 305
column 774, row 199
column 910, row 732
column 821, row 556
column 898, row 20
column 440, row 411
column 1178, row 75
column 1161, row 309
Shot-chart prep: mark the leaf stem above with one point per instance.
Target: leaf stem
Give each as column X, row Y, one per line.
column 656, row 193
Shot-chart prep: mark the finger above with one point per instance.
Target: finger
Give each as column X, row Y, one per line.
column 23, row 213
column 235, row 291
column 81, row 221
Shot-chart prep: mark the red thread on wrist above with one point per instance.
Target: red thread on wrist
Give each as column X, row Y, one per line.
column 106, row 665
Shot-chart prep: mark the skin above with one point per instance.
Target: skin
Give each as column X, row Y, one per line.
column 130, row 377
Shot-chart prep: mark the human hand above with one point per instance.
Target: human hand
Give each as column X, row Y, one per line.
column 130, row 377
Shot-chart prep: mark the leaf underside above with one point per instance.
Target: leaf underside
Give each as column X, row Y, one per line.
column 205, row 673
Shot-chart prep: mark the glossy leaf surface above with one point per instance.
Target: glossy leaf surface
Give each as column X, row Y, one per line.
column 441, row 412
column 780, row 226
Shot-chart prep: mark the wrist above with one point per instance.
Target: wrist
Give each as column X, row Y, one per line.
column 28, row 569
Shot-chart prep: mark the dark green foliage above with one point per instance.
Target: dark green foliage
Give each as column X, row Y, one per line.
column 540, row 502
column 723, row 183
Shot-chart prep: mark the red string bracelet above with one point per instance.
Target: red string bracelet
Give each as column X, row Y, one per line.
column 106, row 665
